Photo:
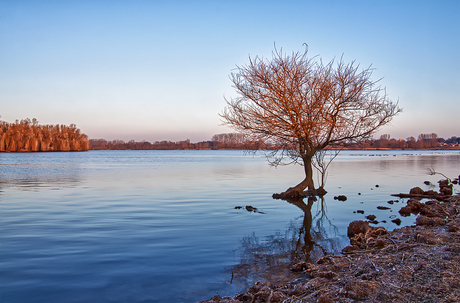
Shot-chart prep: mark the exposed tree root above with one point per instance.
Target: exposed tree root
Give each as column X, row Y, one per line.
column 293, row 194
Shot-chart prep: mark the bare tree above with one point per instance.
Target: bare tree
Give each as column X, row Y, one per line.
column 301, row 106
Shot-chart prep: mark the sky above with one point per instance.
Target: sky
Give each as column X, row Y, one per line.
column 159, row 70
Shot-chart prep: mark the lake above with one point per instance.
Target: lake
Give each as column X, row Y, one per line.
column 162, row 226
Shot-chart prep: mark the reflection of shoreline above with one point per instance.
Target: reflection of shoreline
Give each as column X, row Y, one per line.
column 36, row 183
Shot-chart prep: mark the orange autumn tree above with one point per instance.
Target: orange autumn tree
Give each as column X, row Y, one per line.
column 28, row 136
column 301, row 106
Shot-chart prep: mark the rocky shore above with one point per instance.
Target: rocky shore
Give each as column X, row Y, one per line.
column 418, row 263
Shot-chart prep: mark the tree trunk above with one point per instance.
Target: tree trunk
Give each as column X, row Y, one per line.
column 307, row 183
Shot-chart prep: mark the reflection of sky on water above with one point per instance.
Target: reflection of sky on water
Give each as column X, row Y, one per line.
column 186, row 169
column 29, row 176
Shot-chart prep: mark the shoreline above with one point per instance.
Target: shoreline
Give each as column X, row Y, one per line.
column 417, row 263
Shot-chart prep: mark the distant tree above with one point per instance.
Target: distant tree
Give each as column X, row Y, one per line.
column 302, row 106
column 428, row 140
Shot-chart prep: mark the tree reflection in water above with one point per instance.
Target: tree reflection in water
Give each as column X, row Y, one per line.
column 270, row 259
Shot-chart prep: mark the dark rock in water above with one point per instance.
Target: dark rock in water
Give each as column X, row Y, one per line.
column 391, row 202
column 250, row 208
column 359, row 211
column 405, row 211
column 445, row 188
column 377, row 185
column 371, row 217
column 359, row 194
column 443, row 183
column 396, row 221
column 416, row 191
column 374, row 222
column 382, row 207
column 427, row 183
column 238, row 207
column 340, row 198
column 413, row 207
column 357, row 227
column 448, row 191
column 430, row 193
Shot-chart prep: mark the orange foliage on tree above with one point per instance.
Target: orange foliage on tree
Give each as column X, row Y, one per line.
column 303, row 106
column 28, row 136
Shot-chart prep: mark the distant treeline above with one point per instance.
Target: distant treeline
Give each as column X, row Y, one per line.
column 238, row 141
column 28, row 136
column 220, row 141
column 424, row 141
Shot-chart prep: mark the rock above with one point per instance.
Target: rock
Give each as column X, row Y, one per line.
column 340, row 198
column 396, row 221
column 325, row 260
column 415, row 205
column 447, row 190
column 443, row 183
column 357, row 227
column 350, row 248
column 427, row 183
column 405, row 211
column 250, row 208
column 371, row 217
column 325, row 299
column 360, row 289
column 377, row 185
column 430, row 193
column 301, row 266
column 359, row 211
column 445, row 187
column 323, row 274
column 454, row 226
column 416, row 191
column 382, row 207
column 430, row 221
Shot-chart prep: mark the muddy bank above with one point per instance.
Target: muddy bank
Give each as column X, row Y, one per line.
column 412, row 264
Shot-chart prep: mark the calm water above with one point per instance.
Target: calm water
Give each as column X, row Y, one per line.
column 161, row 226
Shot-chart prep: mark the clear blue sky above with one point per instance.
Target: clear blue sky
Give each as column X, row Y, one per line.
column 158, row 70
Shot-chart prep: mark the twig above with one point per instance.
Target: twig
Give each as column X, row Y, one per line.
column 442, row 208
